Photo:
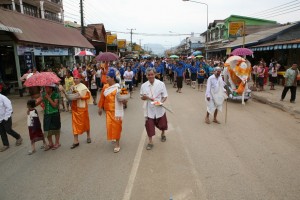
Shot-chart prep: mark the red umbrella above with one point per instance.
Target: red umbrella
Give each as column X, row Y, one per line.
column 84, row 53
column 107, row 56
column 42, row 79
column 242, row 52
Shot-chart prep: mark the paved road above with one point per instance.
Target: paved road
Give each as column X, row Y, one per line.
column 255, row 155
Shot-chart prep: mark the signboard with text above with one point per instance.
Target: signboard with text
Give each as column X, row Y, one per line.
column 121, row 44
column 111, row 40
column 236, row 29
column 28, row 57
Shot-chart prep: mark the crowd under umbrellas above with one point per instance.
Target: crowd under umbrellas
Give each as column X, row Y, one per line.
column 109, row 72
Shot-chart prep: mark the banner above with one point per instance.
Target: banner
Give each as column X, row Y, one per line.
column 111, row 40
column 28, row 57
column 122, row 44
column 228, row 51
column 236, row 29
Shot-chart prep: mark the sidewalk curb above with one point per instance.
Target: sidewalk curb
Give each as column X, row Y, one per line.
column 278, row 105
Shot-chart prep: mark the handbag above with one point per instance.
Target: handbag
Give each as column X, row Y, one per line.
column 93, row 86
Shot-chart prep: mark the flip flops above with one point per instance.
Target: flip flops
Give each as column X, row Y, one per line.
column 30, row 152
column 117, row 149
column 163, row 138
column 56, row 146
column 74, row 146
column 149, row 146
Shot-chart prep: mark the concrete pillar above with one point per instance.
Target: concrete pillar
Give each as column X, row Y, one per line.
column 13, row 5
column 62, row 15
column 43, row 62
column 17, row 61
column 21, row 6
column 42, row 9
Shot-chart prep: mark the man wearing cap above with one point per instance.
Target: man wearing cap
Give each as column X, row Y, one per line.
column 80, row 112
column 215, row 95
column 113, row 109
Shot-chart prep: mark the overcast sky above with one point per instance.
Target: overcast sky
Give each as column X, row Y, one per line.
column 173, row 16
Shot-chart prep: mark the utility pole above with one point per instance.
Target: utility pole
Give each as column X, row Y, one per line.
column 131, row 29
column 81, row 17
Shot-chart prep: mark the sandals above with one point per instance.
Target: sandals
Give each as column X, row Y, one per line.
column 4, row 148
column 117, row 149
column 30, row 152
column 216, row 121
column 207, row 121
column 149, row 146
column 88, row 140
column 163, row 138
column 48, row 147
column 74, row 146
column 56, row 146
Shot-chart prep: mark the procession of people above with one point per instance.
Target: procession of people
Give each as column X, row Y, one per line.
column 100, row 83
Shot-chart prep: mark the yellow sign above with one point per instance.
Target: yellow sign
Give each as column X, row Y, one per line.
column 111, row 40
column 228, row 51
column 122, row 44
column 236, row 29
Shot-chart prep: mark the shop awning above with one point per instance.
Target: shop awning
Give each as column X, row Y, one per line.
column 42, row 31
column 10, row 29
column 277, row 45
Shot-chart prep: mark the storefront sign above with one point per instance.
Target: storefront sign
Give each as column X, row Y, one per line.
column 236, row 29
column 122, row 44
column 111, row 40
column 42, row 51
column 28, row 57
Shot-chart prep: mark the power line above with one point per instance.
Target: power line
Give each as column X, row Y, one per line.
column 280, row 12
column 283, row 10
column 153, row 34
column 272, row 8
column 284, row 13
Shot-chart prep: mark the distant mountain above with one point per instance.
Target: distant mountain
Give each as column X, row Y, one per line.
column 155, row 48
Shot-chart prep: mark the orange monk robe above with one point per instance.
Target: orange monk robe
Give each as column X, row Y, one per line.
column 113, row 126
column 104, row 67
column 80, row 114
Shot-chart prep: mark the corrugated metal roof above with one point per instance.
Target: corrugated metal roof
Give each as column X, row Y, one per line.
column 258, row 36
column 295, row 41
column 36, row 30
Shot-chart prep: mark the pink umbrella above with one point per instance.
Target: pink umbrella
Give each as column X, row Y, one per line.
column 42, row 79
column 107, row 56
column 242, row 52
column 84, row 53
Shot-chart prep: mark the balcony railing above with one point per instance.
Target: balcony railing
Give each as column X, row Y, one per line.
column 55, row 1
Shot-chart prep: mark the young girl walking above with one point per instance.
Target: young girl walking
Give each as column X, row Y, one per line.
column 34, row 126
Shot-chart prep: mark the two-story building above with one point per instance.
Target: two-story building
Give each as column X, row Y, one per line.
column 32, row 34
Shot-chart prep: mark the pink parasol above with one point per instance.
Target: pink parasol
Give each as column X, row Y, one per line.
column 107, row 56
column 42, row 79
column 242, row 52
column 84, row 53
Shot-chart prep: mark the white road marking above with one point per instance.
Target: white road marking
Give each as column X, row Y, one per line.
column 135, row 166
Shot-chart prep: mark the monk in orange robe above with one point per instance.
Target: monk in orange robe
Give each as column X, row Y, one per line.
column 113, row 109
column 80, row 113
column 104, row 67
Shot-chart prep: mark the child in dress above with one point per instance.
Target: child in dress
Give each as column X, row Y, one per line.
column 34, row 126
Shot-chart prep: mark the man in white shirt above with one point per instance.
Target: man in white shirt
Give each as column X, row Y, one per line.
column 154, row 91
column 215, row 95
column 6, row 123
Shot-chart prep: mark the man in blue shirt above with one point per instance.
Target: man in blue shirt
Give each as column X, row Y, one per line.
column 179, row 76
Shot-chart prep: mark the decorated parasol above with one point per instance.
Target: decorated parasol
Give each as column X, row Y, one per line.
column 107, row 56
column 42, row 79
column 242, row 52
column 84, row 53
column 174, row 56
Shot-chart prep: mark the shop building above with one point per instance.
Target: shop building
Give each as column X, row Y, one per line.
column 27, row 41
